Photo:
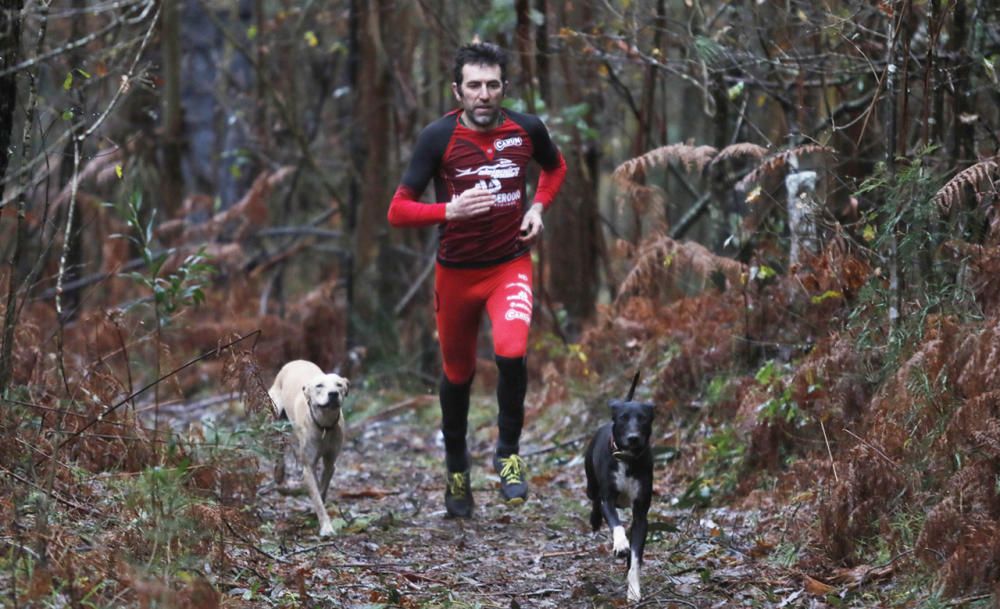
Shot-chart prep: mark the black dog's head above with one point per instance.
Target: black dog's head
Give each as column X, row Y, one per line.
column 632, row 424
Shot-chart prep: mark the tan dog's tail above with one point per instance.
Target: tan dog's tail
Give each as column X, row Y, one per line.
column 279, row 409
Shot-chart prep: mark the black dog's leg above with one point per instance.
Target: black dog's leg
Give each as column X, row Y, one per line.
column 637, row 537
column 593, row 489
column 619, row 540
column 595, row 513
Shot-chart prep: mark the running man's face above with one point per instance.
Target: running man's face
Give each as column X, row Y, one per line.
column 480, row 94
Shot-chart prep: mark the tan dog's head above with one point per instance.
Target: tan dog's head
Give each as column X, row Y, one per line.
column 327, row 391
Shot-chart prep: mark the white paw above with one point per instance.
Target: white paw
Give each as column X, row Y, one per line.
column 620, row 542
column 634, row 595
column 326, row 530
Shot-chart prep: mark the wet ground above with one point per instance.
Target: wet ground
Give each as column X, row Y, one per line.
column 395, row 547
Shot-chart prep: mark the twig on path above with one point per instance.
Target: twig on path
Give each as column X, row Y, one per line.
column 252, row 544
column 961, row 602
column 556, row 446
column 509, row 594
column 312, row 548
column 649, row 602
column 563, row 553
column 392, row 410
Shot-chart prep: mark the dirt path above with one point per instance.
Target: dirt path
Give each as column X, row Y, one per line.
column 395, row 548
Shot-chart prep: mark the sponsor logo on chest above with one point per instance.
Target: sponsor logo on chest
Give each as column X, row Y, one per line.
column 499, row 145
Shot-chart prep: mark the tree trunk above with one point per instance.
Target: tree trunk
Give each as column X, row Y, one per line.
column 10, row 55
column 895, row 287
column 523, row 40
column 356, row 155
column 961, row 143
column 373, row 145
column 572, row 221
column 542, row 52
column 172, row 181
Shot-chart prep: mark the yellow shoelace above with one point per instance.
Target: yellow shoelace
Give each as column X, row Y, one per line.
column 456, row 484
column 511, row 469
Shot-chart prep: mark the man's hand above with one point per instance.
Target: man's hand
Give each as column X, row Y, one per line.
column 531, row 225
column 471, row 203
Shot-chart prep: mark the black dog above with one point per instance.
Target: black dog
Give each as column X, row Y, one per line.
column 620, row 474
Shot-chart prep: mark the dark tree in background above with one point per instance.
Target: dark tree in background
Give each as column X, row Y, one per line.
column 10, row 47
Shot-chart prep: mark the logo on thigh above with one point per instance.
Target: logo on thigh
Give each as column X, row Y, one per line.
column 519, row 304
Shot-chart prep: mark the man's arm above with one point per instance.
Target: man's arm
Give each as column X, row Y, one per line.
column 406, row 209
column 550, row 180
column 546, row 154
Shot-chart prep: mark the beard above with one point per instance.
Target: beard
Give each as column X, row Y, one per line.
column 483, row 117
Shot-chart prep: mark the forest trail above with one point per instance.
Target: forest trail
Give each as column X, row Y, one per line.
column 395, row 548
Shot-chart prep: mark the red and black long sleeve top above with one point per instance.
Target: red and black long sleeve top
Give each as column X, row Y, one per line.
column 458, row 158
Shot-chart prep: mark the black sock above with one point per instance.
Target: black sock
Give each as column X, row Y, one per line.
column 454, row 423
column 512, row 384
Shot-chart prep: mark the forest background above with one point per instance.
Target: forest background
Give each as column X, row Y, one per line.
column 784, row 213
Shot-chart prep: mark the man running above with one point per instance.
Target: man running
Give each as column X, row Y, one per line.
column 477, row 156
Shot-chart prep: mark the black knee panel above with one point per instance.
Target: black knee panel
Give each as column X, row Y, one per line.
column 454, row 422
column 512, row 384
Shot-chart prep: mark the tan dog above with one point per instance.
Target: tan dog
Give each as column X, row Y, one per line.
column 311, row 400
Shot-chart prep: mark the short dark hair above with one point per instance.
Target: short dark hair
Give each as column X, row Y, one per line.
column 480, row 53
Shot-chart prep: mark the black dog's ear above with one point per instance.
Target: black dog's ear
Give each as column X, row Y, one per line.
column 616, row 406
column 648, row 410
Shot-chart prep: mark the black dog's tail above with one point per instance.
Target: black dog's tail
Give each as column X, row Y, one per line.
column 631, row 391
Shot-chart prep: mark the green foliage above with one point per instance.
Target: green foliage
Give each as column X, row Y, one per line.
column 501, row 18
column 724, row 455
column 564, row 123
column 173, row 291
column 718, row 391
column 780, row 406
column 906, row 230
column 160, row 504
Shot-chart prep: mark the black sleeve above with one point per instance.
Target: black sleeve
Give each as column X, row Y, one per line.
column 427, row 154
column 545, row 150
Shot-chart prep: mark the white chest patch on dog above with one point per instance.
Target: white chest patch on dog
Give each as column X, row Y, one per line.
column 628, row 488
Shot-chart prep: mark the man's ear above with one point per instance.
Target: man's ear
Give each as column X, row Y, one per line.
column 455, row 90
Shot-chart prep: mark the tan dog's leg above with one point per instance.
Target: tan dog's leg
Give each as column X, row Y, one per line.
column 309, row 461
column 324, row 480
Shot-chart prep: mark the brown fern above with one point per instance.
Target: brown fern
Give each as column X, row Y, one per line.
column 664, row 256
column 777, row 162
column 693, row 157
column 743, row 149
column 977, row 177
